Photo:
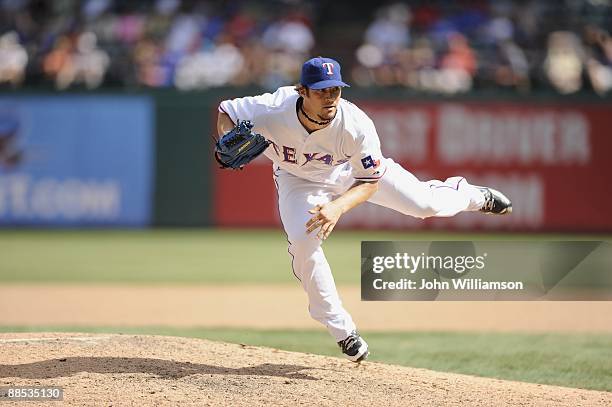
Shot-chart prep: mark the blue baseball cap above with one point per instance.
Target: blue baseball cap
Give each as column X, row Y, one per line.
column 321, row 73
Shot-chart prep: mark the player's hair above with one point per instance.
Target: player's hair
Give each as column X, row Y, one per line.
column 299, row 87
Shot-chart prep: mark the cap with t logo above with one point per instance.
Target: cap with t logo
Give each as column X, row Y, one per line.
column 321, row 73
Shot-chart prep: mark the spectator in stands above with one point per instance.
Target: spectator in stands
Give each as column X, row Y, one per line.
column 390, row 31
column 511, row 68
column 13, row 59
column 599, row 59
column 288, row 42
column 384, row 55
column 457, row 66
column 90, row 61
column 214, row 66
column 147, row 63
column 564, row 61
column 86, row 64
column 503, row 62
column 59, row 60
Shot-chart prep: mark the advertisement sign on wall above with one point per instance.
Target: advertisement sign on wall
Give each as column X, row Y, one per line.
column 76, row 160
column 549, row 159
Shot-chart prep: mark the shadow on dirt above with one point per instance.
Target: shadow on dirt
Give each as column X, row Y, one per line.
column 167, row 369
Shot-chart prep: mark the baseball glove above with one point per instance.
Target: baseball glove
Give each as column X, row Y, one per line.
column 239, row 146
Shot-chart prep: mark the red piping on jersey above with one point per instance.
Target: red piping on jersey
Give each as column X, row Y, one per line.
column 275, row 177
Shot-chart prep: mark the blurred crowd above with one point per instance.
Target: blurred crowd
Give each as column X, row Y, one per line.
column 429, row 46
column 152, row 43
column 458, row 46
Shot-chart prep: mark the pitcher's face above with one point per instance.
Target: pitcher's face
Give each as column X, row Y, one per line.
column 323, row 102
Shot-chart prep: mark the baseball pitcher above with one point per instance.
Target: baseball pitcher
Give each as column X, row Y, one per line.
column 327, row 160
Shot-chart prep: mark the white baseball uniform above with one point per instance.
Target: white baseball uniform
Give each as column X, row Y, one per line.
column 313, row 168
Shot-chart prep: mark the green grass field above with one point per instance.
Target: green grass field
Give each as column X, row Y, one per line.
column 187, row 256
column 581, row 361
column 260, row 257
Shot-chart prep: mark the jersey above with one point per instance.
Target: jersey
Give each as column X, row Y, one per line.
column 349, row 144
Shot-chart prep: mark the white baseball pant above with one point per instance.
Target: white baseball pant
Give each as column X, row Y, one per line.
column 398, row 189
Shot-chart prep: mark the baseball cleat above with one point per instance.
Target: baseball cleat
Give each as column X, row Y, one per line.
column 496, row 203
column 354, row 347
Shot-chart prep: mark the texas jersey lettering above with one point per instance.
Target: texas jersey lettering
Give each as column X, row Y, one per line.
column 321, row 156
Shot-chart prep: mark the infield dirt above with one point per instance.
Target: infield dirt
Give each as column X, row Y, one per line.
column 118, row 370
column 280, row 307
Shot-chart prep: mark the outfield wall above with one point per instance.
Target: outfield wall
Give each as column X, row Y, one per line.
column 144, row 158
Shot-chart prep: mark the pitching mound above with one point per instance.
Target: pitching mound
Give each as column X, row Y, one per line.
column 154, row 370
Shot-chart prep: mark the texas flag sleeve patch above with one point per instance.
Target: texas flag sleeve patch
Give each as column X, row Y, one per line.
column 368, row 162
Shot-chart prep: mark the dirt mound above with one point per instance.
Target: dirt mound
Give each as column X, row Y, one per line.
column 154, row 370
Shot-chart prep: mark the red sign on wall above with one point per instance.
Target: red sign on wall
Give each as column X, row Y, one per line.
column 551, row 160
